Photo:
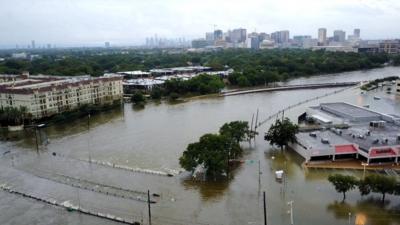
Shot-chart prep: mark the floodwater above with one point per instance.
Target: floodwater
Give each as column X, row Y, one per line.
column 154, row 137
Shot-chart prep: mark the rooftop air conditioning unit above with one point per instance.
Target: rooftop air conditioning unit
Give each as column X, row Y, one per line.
column 324, row 140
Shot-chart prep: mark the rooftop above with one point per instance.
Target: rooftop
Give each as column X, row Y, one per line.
column 348, row 111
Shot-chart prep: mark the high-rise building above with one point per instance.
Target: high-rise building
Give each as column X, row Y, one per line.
column 280, row 37
column 300, row 39
column 238, row 35
column 339, row 36
column 107, row 44
column 218, row 35
column 322, row 36
column 356, row 33
column 33, row 44
column 253, row 41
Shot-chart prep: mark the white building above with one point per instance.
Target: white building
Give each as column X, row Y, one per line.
column 44, row 96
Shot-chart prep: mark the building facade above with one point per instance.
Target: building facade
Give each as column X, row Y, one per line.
column 339, row 36
column 280, row 37
column 44, row 96
column 390, row 46
column 322, row 36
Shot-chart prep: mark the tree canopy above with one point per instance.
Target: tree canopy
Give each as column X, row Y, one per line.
column 282, row 132
column 214, row 151
column 343, row 183
column 372, row 183
column 381, row 184
column 252, row 67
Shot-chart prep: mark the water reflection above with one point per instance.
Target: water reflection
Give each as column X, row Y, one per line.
column 211, row 190
column 283, row 160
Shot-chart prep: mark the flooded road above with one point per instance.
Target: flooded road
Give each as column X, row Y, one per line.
column 153, row 138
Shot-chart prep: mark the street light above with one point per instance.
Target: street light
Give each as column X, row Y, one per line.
column 291, row 212
column 349, row 218
column 364, row 165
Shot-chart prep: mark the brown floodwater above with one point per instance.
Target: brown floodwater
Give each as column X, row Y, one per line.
column 154, row 137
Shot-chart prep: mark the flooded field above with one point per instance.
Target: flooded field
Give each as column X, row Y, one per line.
column 149, row 141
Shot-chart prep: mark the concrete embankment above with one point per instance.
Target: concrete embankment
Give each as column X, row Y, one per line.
column 290, row 87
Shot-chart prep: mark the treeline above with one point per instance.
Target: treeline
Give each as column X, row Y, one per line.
column 252, row 67
column 261, row 68
column 175, row 88
column 14, row 116
column 375, row 183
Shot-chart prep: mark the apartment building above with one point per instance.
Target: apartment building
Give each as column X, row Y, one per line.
column 44, row 96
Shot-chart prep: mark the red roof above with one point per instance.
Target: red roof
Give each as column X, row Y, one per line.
column 382, row 152
column 345, row 149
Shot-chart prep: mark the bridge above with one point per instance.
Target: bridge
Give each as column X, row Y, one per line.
column 290, row 87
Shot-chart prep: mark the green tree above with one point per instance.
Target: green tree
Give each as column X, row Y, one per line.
column 343, row 183
column 214, row 151
column 381, row 184
column 210, row 150
column 138, row 97
column 363, row 187
column 156, row 93
column 238, row 130
column 282, row 132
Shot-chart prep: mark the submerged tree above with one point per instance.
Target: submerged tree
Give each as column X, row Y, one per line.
column 282, row 132
column 238, row 130
column 213, row 151
column 381, row 184
column 343, row 183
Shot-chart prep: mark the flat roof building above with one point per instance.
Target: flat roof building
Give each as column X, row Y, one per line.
column 353, row 132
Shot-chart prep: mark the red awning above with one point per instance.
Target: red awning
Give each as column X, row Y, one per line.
column 345, row 149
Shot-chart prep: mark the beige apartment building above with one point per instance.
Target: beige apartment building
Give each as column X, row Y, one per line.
column 44, row 96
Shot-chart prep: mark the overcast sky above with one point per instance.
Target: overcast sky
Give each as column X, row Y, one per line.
column 92, row 22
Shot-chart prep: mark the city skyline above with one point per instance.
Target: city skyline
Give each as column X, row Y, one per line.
column 76, row 23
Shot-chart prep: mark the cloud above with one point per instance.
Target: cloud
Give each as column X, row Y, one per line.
column 85, row 22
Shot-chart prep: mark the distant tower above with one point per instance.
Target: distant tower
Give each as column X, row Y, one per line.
column 107, row 44
column 33, row 44
column 356, row 33
column 322, row 36
column 339, row 35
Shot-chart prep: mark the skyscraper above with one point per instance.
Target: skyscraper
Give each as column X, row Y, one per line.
column 322, row 36
column 280, row 37
column 33, row 44
column 356, row 33
column 238, row 35
column 254, row 42
column 107, row 44
column 218, row 35
column 339, row 35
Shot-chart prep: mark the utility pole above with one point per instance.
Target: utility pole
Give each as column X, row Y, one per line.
column 90, row 157
column 148, row 203
column 259, row 173
column 256, row 125
column 37, row 145
column 265, row 210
